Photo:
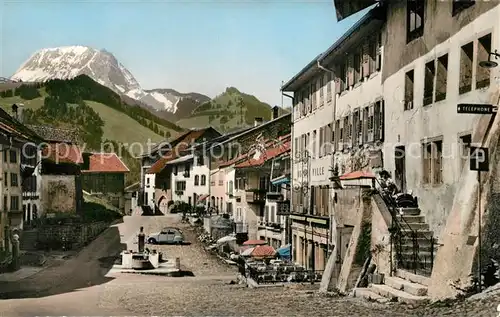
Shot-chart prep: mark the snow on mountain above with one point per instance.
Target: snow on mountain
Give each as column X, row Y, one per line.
column 70, row 61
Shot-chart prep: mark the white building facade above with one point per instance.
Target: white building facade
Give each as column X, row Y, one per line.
column 337, row 125
column 190, row 179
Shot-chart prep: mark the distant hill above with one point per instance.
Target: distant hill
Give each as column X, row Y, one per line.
column 227, row 111
column 96, row 111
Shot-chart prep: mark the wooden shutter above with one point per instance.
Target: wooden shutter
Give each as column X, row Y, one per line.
column 329, row 138
column 378, row 58
column 336, row 140
column 360, row 127
column 365, row 125
column 366, row 60
column 381, row 115
column 320, row 146
column 350, row 71
column 337, row 85
column 342, row 135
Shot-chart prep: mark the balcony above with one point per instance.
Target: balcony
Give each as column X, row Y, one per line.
column 256, row 196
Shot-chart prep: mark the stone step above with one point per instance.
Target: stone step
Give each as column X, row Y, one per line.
column 367, row 294
column 422, row 226
column 394, row 294
column 420, row 233
column 406, row 286
column 408, row 247
column 409, row 211
column 419, row 279
column 421, row 240
column 412, row 218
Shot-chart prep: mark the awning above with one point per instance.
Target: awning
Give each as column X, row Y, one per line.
column 247, row 252
column 226, row 239
column 254, row 242
column 280, row 180
column 202, row 197
column 285, row 251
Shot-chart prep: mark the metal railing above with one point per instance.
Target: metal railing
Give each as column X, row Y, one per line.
column 413, row 249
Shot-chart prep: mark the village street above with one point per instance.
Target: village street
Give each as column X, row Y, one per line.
column 81, row 286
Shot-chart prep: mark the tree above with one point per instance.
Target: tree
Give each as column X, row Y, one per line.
column 224, row 120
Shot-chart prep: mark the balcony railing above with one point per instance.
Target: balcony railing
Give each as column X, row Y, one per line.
column 256, row 196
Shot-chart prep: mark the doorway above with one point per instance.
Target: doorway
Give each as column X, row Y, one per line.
column 400, row 168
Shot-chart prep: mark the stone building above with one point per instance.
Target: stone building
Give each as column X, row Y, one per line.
column 338, row 123
column 105, row 178
column 435, row 49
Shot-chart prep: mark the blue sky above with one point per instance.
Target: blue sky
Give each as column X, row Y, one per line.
column 201, row 46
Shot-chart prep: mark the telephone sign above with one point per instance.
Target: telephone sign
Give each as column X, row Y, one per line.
column 479, row 159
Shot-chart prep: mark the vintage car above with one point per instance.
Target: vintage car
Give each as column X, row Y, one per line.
column 169, row 235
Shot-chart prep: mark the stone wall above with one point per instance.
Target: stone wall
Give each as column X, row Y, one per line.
column 58, row 193
column 76, row 234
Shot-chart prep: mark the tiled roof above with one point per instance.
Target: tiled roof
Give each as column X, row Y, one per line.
column 63, row 153
column 178, row 151
column 269, row 154
column 106, row 163
column 53, row 134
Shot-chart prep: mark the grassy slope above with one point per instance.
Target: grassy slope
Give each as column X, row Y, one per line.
column 118, row 126
column 227, row 105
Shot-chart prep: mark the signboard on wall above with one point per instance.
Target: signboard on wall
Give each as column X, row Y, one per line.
column 283, row 208
column 479, row 160
column 320, row 169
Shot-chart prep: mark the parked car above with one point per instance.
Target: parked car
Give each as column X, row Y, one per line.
column 167, row 236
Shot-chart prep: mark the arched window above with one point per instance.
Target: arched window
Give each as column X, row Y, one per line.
column 197, row 180
column 203, row 180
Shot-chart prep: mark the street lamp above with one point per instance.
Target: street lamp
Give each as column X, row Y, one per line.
column 489, row 63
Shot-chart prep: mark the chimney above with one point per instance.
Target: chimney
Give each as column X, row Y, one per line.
column 17, row 112
column 276, row 112
column 257, row 121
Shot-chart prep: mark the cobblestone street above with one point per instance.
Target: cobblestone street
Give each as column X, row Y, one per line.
column 209, row 292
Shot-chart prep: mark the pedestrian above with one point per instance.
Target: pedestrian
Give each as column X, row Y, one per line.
column 141, row 240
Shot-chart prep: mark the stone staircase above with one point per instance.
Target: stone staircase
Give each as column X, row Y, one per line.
column 28, row 240
column 411, row 220
column 409, row 282
column 404, row 287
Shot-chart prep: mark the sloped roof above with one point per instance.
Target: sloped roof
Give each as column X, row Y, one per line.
column 269, row 154
column 178, row 151
column 16, row 129
column 63, row 153
column 263, row 251
column 106, row 163
column 52, row 134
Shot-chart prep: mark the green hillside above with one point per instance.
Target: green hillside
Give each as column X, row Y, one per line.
column 230, row 109
column 96, row 111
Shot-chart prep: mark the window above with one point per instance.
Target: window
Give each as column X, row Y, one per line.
column 441, row 77
column 5, row 156
column 13, row 180
column 342, row 80
column 432, row 158
column 147, row 180
column 14, row 203
column 266, row 215
column 230, row 187
column 221, row 182
column 483, row 50
column 320, row 142
column 357, row 67
column 329, row 86
column 371, row 124
column 146, row 197
column 196, row 180
column 465, row 144
column 180, row 186
column 356, row 128
column 313, row 90
column 409, row 84
column 466, row 58
column 203, row 180
column 273, row 214
column 6, row 179
column 430, row 72
column 13, row 156
column 460, row 5
column 378, row 121
column 321, row 85
column 414, row 19
column 347, row 131
column 5, row 202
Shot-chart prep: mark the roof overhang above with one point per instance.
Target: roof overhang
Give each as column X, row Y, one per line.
column 370, row 23
column 184, row 158
column 345, row 9
column 303, row 76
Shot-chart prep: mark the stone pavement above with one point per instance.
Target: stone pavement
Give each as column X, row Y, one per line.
column 209, row 292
